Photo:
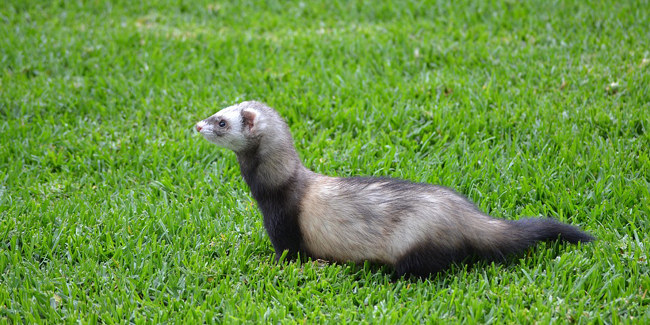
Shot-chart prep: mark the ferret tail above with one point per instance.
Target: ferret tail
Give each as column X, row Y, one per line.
column 491, row 240
column 517, row 235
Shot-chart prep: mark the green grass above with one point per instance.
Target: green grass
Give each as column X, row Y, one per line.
column 114, row 210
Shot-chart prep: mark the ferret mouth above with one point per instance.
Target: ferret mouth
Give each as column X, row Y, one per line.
column 205, row 128
column 211, row 134
column 208, row 132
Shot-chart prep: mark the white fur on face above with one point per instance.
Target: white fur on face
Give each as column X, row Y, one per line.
column 231, row 136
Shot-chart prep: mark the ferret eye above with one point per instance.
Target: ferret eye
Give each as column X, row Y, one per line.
column 222, row 123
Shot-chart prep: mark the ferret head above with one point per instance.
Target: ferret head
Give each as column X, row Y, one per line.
column 260, row 138
column 235, row 127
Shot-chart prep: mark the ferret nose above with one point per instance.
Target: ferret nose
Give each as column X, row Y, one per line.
column 198, row 128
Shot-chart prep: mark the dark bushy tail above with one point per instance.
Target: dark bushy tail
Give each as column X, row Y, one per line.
column 491, row 239
column 524, row 233
column 542, row 229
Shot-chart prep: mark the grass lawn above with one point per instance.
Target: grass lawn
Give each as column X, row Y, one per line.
column 114, row 210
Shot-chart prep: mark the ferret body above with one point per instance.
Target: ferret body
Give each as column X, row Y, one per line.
column 417, row 228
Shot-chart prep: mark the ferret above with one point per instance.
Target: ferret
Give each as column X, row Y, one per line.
column 417, row 228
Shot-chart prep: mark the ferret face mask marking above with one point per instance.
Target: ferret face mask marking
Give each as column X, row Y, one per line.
column 230, row 128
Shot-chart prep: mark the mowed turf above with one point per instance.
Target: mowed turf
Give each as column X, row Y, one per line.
column 114, row 210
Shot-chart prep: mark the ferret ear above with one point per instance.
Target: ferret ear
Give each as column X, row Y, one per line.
column 250, row 118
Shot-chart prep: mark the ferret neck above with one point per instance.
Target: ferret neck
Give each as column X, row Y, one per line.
column 271, row 170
